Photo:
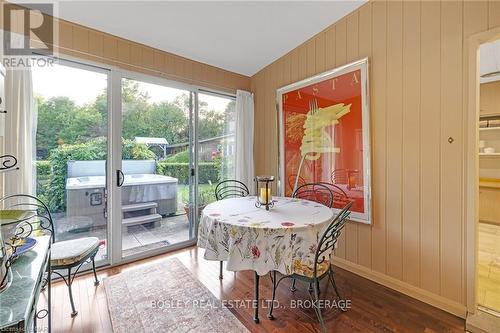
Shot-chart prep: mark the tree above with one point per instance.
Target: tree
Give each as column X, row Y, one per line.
column 211, row 124
column 168, row 121
column 53, row 117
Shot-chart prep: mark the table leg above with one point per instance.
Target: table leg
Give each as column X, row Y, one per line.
column 49, row 297
column 256, row 313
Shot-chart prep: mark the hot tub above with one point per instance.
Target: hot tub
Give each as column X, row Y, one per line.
column 86, row 183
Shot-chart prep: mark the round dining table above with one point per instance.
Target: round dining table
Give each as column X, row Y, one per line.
column 283, row 238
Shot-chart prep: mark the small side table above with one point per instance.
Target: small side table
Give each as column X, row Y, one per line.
column 18, row 303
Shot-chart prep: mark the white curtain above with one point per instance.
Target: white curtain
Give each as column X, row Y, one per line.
column 20, row 128
column 244, row 162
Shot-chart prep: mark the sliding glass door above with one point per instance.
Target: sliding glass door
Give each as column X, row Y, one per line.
column 216, row 143
column 71, row 143
column 157, row 166
column 135, row 177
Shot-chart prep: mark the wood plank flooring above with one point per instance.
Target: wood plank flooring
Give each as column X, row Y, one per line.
column 488, row 283
column 374, row 307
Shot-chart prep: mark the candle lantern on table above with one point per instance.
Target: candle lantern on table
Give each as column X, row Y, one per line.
column 263, row 189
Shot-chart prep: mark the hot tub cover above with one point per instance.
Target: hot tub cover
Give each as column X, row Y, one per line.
column 88, row 182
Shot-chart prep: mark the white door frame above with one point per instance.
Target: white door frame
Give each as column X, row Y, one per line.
column 116, row 164
column 471, row 181
column 114, row 161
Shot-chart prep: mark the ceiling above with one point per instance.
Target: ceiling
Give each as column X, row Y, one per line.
column 239, row 36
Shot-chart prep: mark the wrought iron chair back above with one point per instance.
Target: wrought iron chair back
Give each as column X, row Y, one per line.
column 339, row 176
column 330, row 237
column 315, row 192
column 231, row 188
column 38, row 218
column 323, row 252
column 340, row 197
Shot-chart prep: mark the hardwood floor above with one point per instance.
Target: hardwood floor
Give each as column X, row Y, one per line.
column 374, row 307
column 488, row 283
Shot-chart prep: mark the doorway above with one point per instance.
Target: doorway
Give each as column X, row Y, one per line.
column 488, row 247
column 73, row 102
column 128, row 158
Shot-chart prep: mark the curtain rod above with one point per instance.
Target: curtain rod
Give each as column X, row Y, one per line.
column 216, row 93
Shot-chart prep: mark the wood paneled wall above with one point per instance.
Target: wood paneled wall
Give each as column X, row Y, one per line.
column 417, row 81
column 82, row 42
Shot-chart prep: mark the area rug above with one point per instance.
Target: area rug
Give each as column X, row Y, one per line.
column 165, row 297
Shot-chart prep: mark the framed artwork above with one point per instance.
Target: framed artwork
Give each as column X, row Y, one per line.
column 324, row 126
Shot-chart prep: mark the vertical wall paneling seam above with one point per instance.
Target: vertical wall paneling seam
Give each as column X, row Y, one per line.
column 487, row 15
column 439, row 143
column 401, row 183
column 420, row 148
column 386, row 131
column 464, row 75
column 441, row 152
column 462, row 155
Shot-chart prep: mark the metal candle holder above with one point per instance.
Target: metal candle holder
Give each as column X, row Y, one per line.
column 269, row 200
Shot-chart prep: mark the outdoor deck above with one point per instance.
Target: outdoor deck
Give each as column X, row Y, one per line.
column 137, row 238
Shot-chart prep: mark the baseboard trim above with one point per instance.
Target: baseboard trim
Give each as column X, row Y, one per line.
column 425, row 296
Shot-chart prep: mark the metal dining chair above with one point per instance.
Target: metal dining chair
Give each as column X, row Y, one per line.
column 339, row 176
column 317, row 192
column 64, row 255
column 340, row 197
column 230, row 188
column 322, row 267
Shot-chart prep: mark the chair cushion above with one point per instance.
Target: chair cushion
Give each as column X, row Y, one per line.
column 72, row 251
column 307, row 270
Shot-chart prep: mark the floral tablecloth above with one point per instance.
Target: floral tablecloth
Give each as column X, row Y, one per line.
column 250, row 238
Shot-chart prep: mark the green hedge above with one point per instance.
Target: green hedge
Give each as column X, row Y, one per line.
column 42, row 169
column 182, row 157
column 208, row 171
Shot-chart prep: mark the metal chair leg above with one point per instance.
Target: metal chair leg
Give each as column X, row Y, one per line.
column 256, row 309
column 334, row 285
column 96, row 281
column 220, row 271
column 69, row 283
column 292, row 288
column 317, row 307
column 332, row 281
column 270, row 314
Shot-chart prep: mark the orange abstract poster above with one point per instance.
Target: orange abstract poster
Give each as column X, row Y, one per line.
column 324, row 137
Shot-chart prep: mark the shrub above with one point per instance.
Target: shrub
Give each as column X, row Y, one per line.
column 42, row 169
column 42, row 178
column 182, row 157
column 208, row 172
column 92, row 150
